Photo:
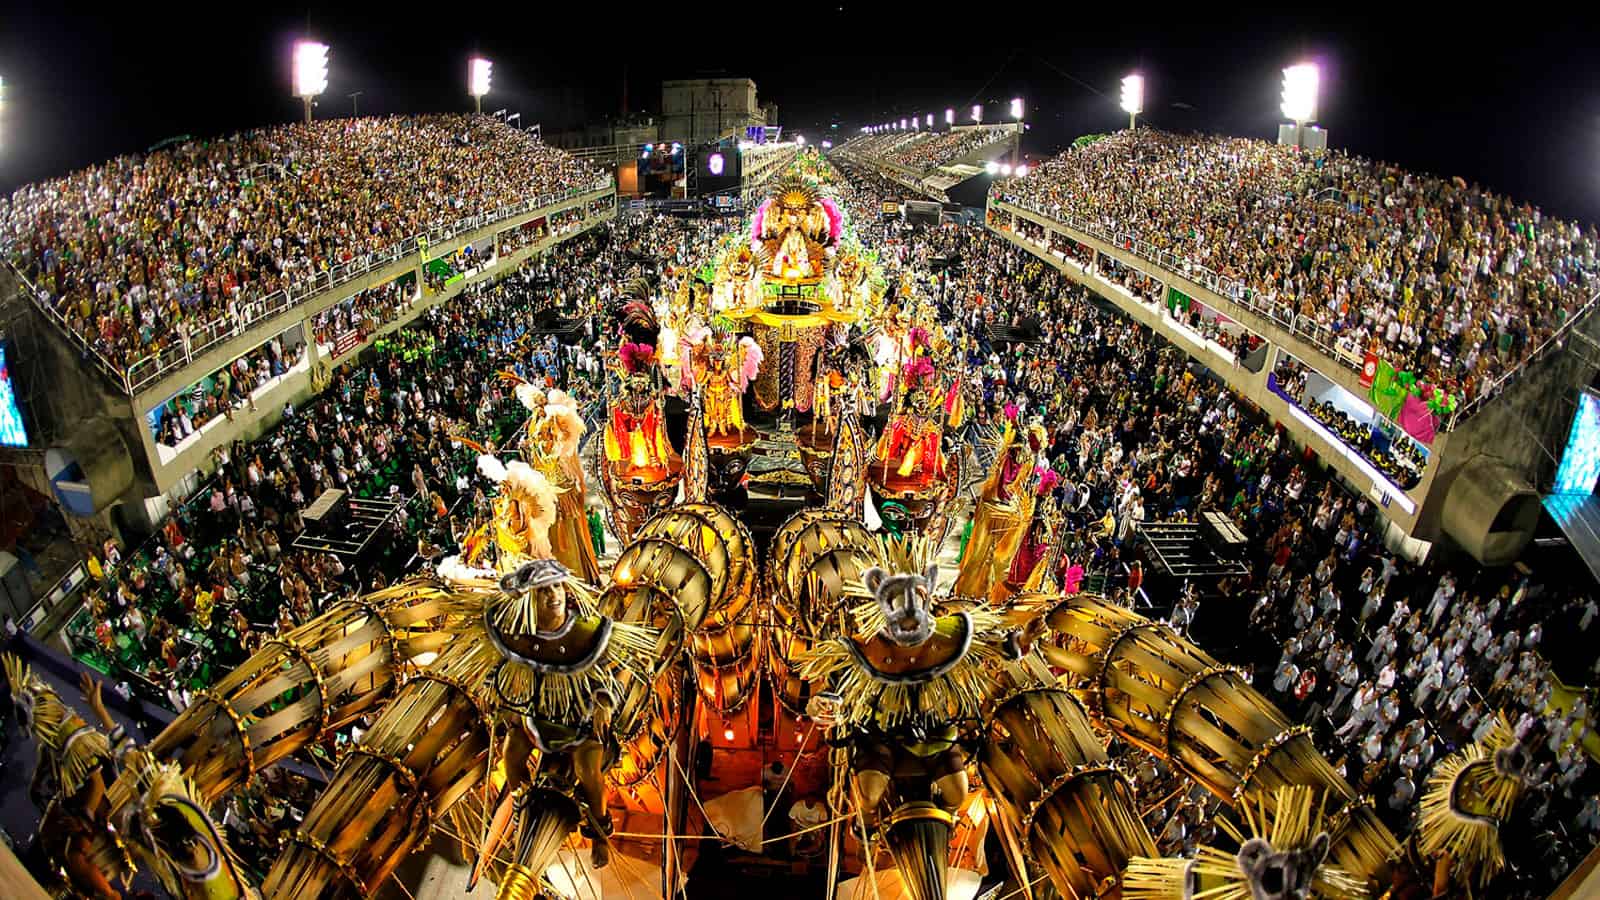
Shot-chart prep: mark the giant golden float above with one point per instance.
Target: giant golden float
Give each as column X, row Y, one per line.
column 525, row 702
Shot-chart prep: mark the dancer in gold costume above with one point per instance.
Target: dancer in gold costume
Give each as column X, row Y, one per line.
column 1004, row 511
column 553, row 438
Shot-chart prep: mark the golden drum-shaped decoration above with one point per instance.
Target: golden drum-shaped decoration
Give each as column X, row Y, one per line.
column 1057, row 792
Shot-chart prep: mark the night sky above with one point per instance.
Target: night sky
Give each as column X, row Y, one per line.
column 1515, row 107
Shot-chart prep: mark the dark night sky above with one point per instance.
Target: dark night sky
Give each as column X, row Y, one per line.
column 1515, row 107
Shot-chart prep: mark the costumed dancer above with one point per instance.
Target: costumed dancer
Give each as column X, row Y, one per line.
column 1004, row 511
column 894, row 693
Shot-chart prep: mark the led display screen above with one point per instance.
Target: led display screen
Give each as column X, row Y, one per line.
column 1580, row 462
column 11, row 431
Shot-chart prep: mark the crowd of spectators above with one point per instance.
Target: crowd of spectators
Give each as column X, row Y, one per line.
column 1444, row 279
column 1395, row 665
column 223, row 392
column 941, row 149
column 148, row 251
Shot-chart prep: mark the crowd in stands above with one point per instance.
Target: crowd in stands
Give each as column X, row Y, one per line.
column 366, row 311
column 1441, row 278
column 146, row 251
column 224, row 391
column 1395, row 665
column 943, row 148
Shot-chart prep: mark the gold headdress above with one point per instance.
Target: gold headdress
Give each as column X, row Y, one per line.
column 1284, row 842
column 76, row 747
column 1469, row 795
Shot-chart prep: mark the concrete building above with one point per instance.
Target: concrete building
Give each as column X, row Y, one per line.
column 702, row 110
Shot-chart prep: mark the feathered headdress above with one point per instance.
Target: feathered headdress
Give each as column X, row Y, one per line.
column 1048, row 479
column 76, row 747
column 532, row 397
column 750, row 357
column 563, row 425
column 1470, row 795
column 636, row 358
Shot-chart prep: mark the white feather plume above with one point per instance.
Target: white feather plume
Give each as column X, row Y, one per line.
column 492, row 468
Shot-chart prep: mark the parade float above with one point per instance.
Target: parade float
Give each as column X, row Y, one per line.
column 780, row 452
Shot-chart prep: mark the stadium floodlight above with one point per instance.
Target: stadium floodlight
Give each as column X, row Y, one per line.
column 800, row 139
column 827, row 145
column 478, row 77
column 1133, row 97
column 930, row 120
column 902, row 123
column 949, row 117
column 1005, row 169
column 991, row 167
column 310, row 72
column 1016, row 108
column 1300, row 84
column 1022, row 170
column 977, row 112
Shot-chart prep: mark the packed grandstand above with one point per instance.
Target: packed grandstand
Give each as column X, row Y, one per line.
column 176, row 246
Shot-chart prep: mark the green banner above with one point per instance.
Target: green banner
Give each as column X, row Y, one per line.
column 1387, row 394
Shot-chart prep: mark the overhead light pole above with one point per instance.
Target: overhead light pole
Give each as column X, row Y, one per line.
column 1300, row 85
column 478, row 76
column 1133, row 98
column 310, row 72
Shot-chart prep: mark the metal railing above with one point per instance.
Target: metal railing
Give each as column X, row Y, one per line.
column 246, row 312
column 1307, row 328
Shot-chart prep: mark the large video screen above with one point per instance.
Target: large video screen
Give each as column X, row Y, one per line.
column 11, row 431
column 1580, row 462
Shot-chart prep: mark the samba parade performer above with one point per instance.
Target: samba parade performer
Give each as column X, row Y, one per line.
column 554, row 435
column 894, row 693
column 69, row 781
column 1029, row 566
column 911, row 441
column 725, row 365
column 523, row 512
column 795, row 231
column 1004, row 511
column 563, row 669
column 636, row 436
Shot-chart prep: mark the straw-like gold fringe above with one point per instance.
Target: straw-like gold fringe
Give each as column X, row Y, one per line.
column 1471, row 837
column 53, row 727
column 1290, row 821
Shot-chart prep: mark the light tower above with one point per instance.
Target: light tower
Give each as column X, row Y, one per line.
column 1133, row 98
column 977, row 113
column 1300, row 85
column 310, row 72
column 950, row 117
column 478, row 76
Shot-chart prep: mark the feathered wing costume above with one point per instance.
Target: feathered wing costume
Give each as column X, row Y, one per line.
column 524, row 511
